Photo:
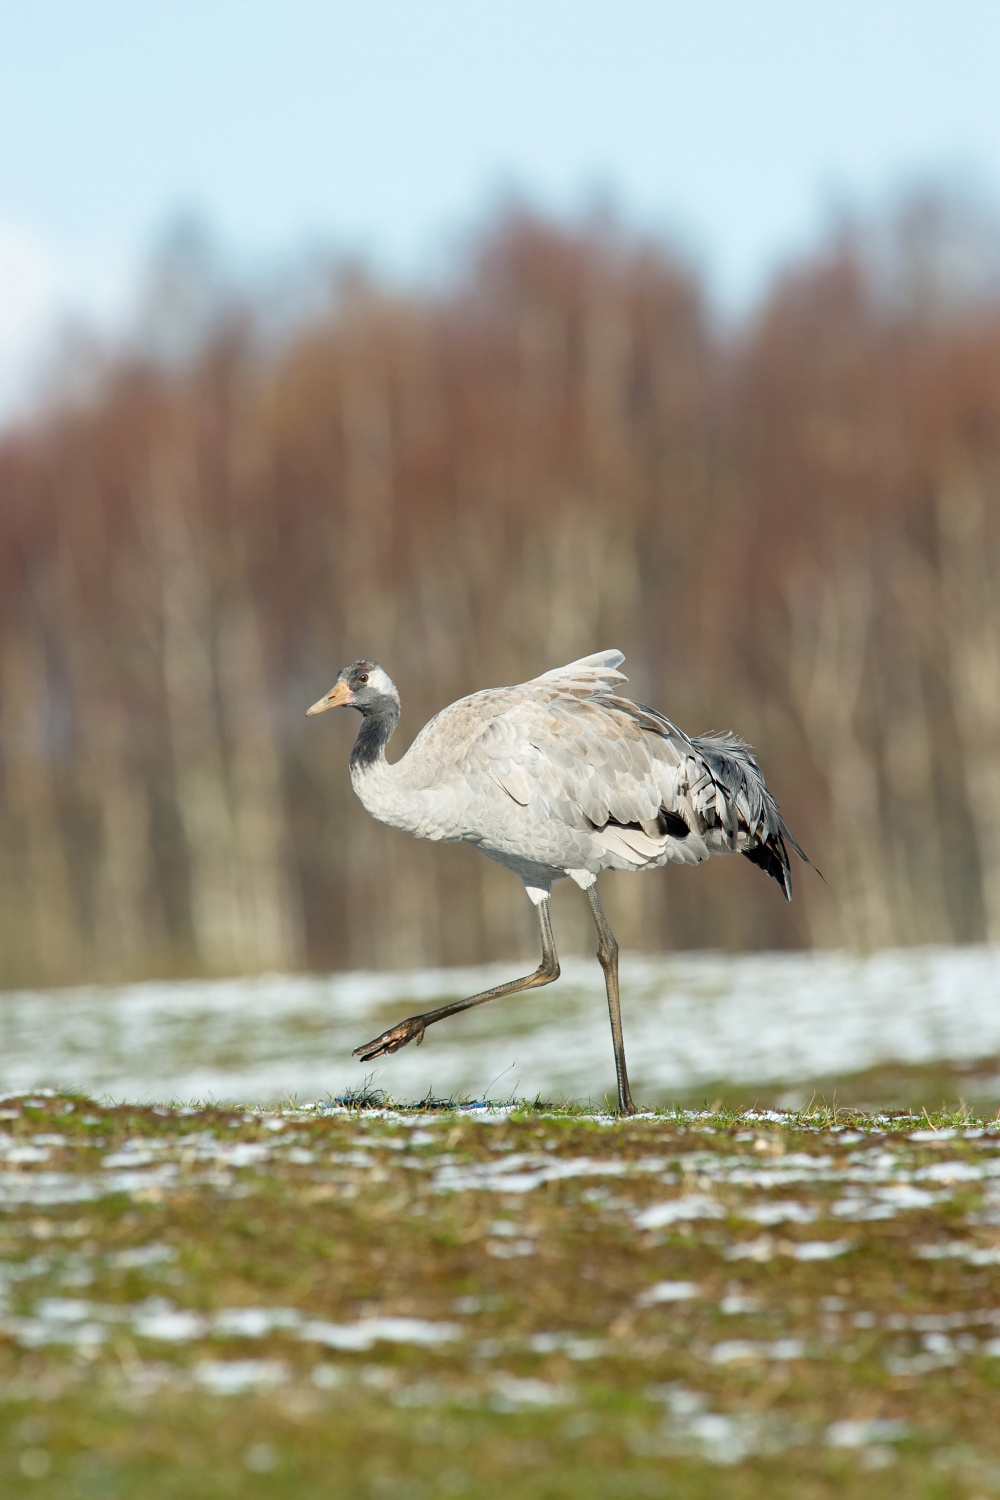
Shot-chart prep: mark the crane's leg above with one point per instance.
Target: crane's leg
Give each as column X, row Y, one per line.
column 413, row 1028
column 607, row 953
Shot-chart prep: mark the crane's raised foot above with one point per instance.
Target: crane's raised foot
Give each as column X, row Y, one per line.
column 410, row 1030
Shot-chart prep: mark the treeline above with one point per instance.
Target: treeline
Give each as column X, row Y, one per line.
column 793, row 530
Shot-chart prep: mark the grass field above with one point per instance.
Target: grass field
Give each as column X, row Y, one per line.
column 520, row 1301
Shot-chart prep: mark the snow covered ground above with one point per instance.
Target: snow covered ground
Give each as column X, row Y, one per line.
column 689, row 1019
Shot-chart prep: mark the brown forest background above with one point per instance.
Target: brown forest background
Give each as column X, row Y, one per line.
column 792, row 529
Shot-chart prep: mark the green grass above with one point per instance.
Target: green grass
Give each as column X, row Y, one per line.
column 125, row 1232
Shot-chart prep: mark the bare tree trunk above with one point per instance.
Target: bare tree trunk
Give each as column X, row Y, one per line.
column 56, row 939
column 828, row 646
column 128, row 929
column 270, row 917
column 126, row 915
column 271, row 899
column 970, row 593
column 219, row 920
column 920, row 898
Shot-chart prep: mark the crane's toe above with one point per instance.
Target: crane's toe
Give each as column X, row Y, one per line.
column 411, row 1030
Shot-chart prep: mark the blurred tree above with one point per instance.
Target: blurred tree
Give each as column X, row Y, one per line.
column 791, row 530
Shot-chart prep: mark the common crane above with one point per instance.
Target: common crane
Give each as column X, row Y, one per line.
column 559, row 776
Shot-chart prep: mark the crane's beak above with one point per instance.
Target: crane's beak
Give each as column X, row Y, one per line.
column 337, row 697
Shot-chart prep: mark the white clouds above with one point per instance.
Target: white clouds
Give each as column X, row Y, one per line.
column 28, row 283
column 43, row 288
column 29, row 294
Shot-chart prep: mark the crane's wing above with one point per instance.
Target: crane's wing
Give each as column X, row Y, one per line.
column 573, row 751
column 591, row 674
column 595, row 774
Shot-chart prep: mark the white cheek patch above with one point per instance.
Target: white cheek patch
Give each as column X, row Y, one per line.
column 379, row 680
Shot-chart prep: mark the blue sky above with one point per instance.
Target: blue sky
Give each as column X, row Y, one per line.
column 388, row 127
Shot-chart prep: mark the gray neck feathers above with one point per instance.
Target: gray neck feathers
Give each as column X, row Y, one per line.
column 377, row 725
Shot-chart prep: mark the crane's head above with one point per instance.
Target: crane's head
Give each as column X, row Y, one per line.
column 364, row 686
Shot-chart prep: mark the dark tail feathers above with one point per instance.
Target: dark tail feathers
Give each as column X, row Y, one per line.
column 737, row 775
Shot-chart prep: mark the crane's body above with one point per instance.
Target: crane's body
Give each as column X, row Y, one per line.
column 560, row 776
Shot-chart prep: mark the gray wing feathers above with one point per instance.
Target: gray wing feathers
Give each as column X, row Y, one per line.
column 645, row 792
column 595, row 674
column 512, row 779
column 590, row 768
column 585, row 779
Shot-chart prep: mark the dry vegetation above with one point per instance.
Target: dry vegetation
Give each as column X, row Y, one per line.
column 434, row 1302
column 793, row 531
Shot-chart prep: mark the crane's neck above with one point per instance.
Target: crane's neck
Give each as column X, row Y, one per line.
column 384, row 790
column 377, row 726
column 396, row 794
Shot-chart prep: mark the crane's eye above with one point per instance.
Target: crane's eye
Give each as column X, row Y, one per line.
column 362, row 676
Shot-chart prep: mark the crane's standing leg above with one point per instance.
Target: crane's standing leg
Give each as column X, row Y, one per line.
column 607, row 953
column 412, row 1029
